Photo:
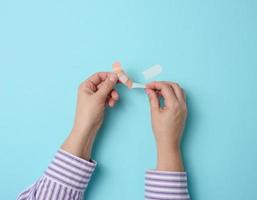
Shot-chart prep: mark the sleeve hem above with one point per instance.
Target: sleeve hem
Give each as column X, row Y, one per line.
column 166, row 185
column 152, row 171
column 70, row 170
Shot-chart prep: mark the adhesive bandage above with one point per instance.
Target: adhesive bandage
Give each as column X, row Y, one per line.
column 138, row 85
column 152, row 71
column 123, row 77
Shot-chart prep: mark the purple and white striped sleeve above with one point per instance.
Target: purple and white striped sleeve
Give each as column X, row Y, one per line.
column 65, row 179
column 164, row 185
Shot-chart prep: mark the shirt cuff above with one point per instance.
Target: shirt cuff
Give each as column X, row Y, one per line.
column 70, row 170
column 165, row 185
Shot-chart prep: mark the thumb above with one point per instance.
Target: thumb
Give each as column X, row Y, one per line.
column 153, row 99
column 107, row 85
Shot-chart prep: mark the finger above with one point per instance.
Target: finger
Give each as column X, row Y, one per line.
column 115, row 95
column 99, row 85
column 98, row 77
column 107, row 85
column 112, row 98
column 94, row 80
column 107, row 101
column 178, row 91
column 111, row 102
column 153, row 99
column 165, row 90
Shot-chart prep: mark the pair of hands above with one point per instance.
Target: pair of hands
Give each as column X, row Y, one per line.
column 168, row 121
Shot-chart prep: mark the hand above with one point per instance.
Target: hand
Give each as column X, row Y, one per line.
column 94, row 95
column 167, row 122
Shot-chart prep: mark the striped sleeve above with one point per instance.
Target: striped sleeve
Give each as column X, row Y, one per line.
column 66, row 178
column 164, row 185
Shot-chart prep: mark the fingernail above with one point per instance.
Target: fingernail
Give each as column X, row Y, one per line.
column 113, row 77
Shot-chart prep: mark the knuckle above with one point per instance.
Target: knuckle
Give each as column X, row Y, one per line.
column 165, row 83
column 176, row 85
column 165, row 86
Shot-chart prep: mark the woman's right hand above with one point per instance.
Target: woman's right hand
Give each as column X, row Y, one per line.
column 167, row 122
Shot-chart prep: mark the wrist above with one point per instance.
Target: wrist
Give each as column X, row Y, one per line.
column 83, row 136
column 79, row 144
column 85, row 131
column 169, row 158
column 167, row 145
column 86, row 141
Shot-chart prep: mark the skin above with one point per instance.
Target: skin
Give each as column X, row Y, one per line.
column 94, row 95
column 167, row 123
column 97, row 92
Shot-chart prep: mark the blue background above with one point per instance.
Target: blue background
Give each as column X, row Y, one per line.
column 210, row 47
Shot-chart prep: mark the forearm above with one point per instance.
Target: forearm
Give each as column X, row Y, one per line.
column 79, row 144
column 169, row 180
column 69, row 173
column 169, row 158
